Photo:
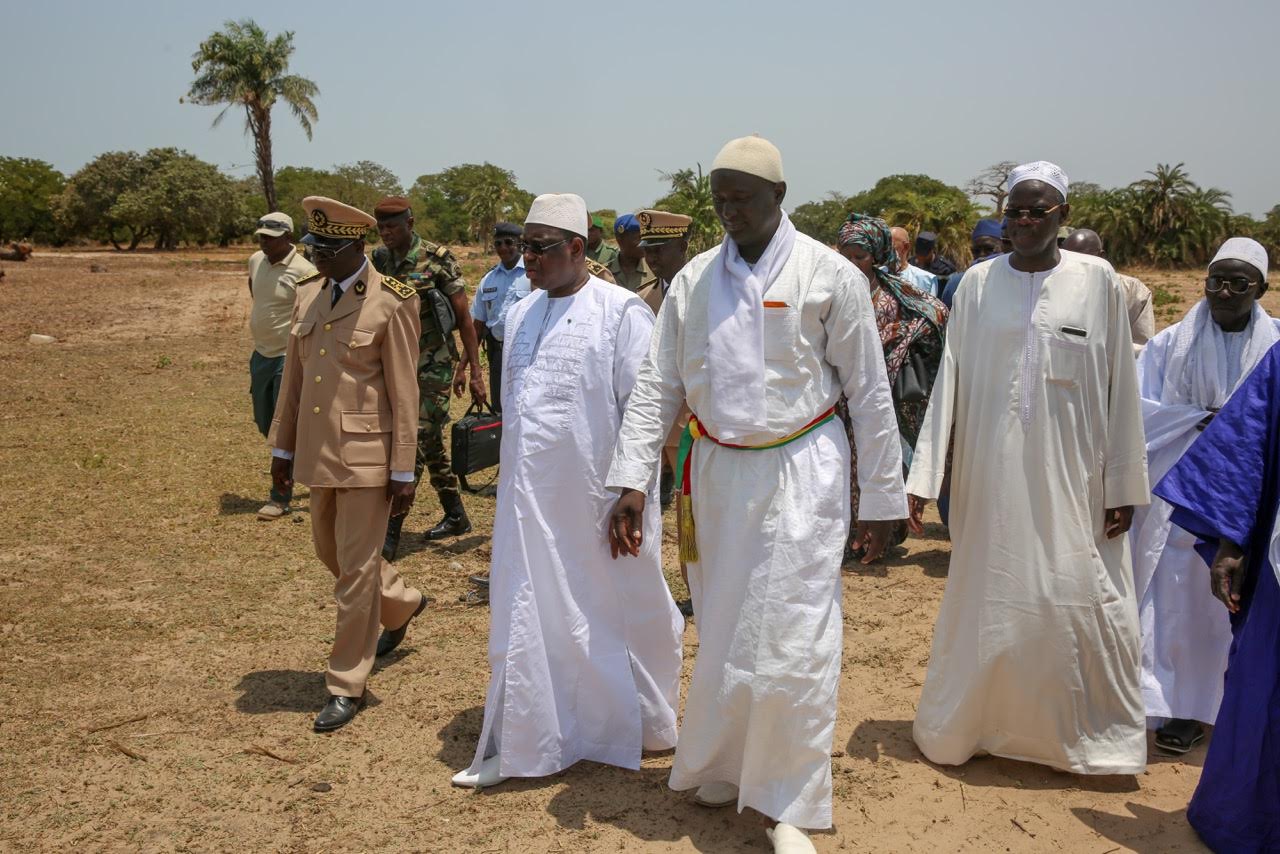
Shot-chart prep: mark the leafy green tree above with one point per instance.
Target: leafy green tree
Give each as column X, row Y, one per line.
column 463, row 203
column 1164, row 219
column 182, row 198
column 26, row 187
column 295, row 183
column 165, row 195
column 84, row 208
column 364, row 183
column 915, row 202
column 240, row 66
column 691, row 195
column 822, row 220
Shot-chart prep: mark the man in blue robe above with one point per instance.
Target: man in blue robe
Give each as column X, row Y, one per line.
column 1226, row 490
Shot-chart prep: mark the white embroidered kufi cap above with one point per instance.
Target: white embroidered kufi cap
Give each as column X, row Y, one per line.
column 560, row 210
column 1243, row 249
column 753, row 155
column 1040, row 170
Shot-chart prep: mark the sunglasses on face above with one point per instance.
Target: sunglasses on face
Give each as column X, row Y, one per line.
column 1235, row 284
column 505, row 241
column 540, row 248
column 1036, row 214
column 327, row 254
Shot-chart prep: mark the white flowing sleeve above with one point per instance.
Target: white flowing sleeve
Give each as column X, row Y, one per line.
column 855, row 351
column 1163, row 423
column 652, row 405
column 1124, row 467
column 634, row 334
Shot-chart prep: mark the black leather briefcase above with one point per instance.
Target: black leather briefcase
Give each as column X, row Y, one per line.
column 475, row 441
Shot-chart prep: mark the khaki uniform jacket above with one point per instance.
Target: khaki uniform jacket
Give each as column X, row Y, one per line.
column 348, row 406
column 652, row 293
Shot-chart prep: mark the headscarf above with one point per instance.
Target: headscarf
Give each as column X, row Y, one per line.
column 871, row 234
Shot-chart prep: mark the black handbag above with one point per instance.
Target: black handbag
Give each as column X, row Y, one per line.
column 912, row 383
column 475, row 442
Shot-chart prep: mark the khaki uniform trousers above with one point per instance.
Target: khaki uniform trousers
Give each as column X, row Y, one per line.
column 348, row 526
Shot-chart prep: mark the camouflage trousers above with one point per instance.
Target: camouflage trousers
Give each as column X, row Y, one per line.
column 434, row 385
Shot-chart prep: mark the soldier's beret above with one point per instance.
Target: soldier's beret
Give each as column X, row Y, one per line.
column 391, row 206
column 625, row 223
column 507, row 229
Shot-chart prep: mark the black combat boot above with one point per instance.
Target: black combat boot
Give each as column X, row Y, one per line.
column 392, row 543
column 455, row 522
column 667, row 488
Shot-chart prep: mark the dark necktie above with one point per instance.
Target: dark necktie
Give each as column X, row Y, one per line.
column 337, row 295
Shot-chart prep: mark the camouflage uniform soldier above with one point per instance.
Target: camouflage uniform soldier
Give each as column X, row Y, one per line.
column 432, row 270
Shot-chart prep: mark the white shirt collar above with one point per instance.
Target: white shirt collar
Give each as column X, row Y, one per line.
column 346, row 283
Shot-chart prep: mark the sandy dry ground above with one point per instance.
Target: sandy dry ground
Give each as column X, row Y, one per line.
column 162, row 649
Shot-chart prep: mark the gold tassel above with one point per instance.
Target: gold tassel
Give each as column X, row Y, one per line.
column 688, row 534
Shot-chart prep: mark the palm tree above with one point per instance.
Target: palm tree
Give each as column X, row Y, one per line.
column 240, row 66
column 691, row 195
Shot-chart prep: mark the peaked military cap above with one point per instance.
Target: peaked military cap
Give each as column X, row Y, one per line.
column 659, row 226
column 331, row 222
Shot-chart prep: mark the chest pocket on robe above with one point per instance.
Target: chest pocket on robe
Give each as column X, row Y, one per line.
column 1065, row 362
column 781, row 329
column 301, row 333
column 355, row 347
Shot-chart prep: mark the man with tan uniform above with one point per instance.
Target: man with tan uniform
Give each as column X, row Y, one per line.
column 629, row 268
column 274, row 272
column 664, row 239
column 346, row 425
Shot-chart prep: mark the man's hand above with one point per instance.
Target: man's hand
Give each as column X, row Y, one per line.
column 459, row 379
column 1117, row 520
column 282, row 475
column 873, row 538
column 626, row 524
column 1226, row 575
column 401, row 493
column 915, row 509
column 478, row 392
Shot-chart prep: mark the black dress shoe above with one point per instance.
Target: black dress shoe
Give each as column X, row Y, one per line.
column 391, row 544
column 390, row 638
column 685, row 607
column 338, row 712
column 452, row 525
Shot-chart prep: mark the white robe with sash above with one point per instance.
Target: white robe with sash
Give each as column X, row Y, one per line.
column 1186, row 633
column 771, row 524
column 585, row 651
column 1036, row 650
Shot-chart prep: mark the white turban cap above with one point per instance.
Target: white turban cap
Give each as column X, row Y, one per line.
column 559, row 210
column 1041, row 170
column 754, row 155
column 1243, row 249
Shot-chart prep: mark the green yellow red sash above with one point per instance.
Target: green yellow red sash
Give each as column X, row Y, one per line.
column 695, row 431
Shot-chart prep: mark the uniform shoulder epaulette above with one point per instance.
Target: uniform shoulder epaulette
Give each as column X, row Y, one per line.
column 306, row 280
column 397, row 287
column 600, row 271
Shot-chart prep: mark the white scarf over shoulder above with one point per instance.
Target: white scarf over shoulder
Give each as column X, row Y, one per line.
column 1198, row 373
column 735, row 333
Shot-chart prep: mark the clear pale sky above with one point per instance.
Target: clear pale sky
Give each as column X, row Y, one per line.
column 597, row 98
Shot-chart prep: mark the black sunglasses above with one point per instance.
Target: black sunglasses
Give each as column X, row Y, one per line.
column 540, row 249
column 324, row 253
column 505, row 241
column 1034, row 214
column 1235, row 284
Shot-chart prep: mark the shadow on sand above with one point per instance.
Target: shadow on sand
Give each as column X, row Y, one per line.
column 267, row 691
column 638, row 803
